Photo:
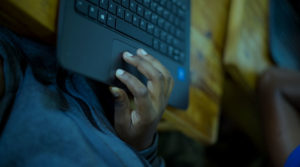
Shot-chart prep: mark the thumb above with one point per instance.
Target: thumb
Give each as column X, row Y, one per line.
column 122, row 114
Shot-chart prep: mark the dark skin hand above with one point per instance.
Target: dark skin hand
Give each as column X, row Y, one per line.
column 1, row 78
column 136, row 124
column 280, row 103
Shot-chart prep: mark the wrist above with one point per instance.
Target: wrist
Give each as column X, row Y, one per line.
column 142, row 143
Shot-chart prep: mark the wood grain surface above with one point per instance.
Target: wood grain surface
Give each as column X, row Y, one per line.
column 247, row 51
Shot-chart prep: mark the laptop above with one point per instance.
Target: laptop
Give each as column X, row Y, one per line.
column 92, row 34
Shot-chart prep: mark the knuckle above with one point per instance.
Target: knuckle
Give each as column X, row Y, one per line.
column 152, row 119
column 142, row 92
column 160, row 76
column 151, row 59
column 126, row 76
column 141, row 64
column 137, row 60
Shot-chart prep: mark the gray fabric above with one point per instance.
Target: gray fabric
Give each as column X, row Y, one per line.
column 48, row 120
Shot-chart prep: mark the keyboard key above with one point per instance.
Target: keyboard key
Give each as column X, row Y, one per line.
column 182, row 25
column 169, row 39
column 161, row 22
column 172, row 30
column 125, row 3
column 133, row 32
column 111, row 21
column 128, row 16
column 163, row 47
column 170, row 51
column 159, row 10
column 156, row 32
column 163, row 3
column 179, row 34
column 140, row 10
column 112, row 7
column 167, row 26
column 147, row 3
column 184, row 8
column 176, row 55
column 177, row 22
column 156, row 44
column 82, row 7
column 148, row 15
column 181, row 13
column 95, row 2
column 102, row 16
column 93, row 11
column 150, row 28
column 132, row 5
column 166, row 14
column 169, row 5
column 120, row 12
column 139, row 1
column 103, row 4
column 174, row 9
column 171, row 18
column 163, row 36
column 136, row 20
column 143, row 24
column 179, row 3
column 153, row 6
column 117, row 1
column 178, row 44
column 154, row 18
column 181, row 57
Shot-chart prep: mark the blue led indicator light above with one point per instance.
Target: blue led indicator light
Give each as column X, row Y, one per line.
column 181, row 74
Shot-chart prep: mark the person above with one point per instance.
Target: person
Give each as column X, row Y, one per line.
column 53, row 117
column 280, row 105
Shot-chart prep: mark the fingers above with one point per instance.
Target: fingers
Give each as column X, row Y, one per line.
column 151, row 73
column 160, row 82
column 122, row 106
column 136, row 87
column 168, row 80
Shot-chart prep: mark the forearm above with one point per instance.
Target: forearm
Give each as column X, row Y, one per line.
column 280, row 92
column 150, row 154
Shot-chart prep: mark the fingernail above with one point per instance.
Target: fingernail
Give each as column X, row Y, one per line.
column 119, row 72
column 142, row 52
column 115, row 91
column 127, row 55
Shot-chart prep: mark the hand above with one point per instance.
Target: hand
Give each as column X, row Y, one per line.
column 136, row 125
column 1, row 78
column 280, row 104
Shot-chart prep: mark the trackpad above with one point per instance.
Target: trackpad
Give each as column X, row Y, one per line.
column 118, row 48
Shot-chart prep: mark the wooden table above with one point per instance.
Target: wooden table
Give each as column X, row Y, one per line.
column 37, row 18
column 246, row 53
column 246, row 57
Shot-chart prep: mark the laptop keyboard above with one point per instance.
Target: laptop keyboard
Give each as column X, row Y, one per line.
column 159, row 24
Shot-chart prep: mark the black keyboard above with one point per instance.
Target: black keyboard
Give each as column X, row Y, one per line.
column 159, row 24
